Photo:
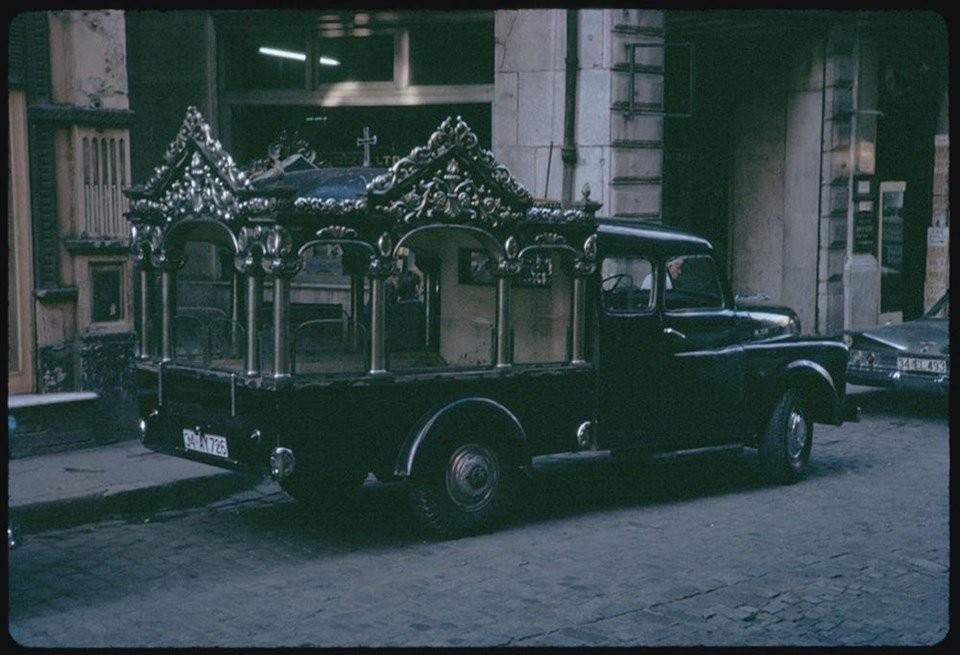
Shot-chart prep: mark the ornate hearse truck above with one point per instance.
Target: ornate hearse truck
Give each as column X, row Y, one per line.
column 431, row 323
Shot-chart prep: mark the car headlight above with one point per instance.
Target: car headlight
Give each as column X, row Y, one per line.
column 793, row 327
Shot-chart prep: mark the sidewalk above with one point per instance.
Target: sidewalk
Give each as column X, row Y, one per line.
column 75, row 487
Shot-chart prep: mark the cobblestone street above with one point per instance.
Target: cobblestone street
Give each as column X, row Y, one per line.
column 604, row 552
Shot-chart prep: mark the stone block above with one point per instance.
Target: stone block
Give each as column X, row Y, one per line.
column 593, row 97
column 533, row 39
column 636, row 162
column 635, row 128
column 635, row 199
column 647, row 89
column 522, row 163
column 505, row 109
column 540, row 118
column 594, row 37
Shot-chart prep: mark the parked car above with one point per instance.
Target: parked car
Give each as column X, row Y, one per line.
column 914, row 355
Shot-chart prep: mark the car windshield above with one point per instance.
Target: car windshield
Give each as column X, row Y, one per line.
column 941, row 309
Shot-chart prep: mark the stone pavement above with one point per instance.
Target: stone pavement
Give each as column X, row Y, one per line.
column 80, row 486
column 603, row 553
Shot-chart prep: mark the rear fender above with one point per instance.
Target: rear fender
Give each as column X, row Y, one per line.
column 465, row 414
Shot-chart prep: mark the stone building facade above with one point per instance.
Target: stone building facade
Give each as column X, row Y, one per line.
column 785, row 137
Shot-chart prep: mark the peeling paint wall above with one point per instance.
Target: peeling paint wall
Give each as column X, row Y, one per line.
column 88, row 53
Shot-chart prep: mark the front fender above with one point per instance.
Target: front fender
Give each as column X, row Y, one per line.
column 462, row 415
column 821, row 394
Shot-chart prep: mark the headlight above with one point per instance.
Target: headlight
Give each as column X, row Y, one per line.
column 794, row 326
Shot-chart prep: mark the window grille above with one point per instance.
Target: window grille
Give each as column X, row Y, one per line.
column 104, row 170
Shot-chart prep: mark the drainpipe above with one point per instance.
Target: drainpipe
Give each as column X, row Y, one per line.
column 569, row 151
column 851, row 210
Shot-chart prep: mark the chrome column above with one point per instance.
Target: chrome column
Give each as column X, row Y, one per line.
column 578, row 319
column 143, row 327
column 356, row 307
column 504, row 286
column 167, row 279
column 428, row 307
column 281, row 326
column 583, row 268
column 377, row 325
column 254, row 298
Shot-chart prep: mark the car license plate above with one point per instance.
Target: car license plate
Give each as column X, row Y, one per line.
column 921, row 365
column 211, row 444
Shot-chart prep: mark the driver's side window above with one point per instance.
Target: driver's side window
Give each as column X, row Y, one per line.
column 626, row 284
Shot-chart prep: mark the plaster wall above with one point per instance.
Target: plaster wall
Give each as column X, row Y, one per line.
column 88, row 57
column 804, row 120
column 758, row 191
column 777, row 180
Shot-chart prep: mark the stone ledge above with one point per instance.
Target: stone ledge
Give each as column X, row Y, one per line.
column 21, row 401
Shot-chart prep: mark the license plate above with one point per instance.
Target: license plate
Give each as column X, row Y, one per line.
column 922, row 365
column 211, row 444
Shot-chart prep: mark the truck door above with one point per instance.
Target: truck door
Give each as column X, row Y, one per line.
column 704, row 380
column 670, row 369
column 630, row 355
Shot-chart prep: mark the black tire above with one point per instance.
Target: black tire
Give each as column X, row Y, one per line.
column 464, row 486
column 785, row 446
column 323, row 491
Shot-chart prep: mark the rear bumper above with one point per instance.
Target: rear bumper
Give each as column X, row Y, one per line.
column 889, row 379
column 163, row 432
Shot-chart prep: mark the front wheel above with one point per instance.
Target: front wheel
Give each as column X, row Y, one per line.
column 466, row 486
column 786, row 444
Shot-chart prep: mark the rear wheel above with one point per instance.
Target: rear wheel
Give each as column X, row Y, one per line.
column 786, row 444
column 465, row 486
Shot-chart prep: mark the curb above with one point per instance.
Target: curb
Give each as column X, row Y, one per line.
column 182, row 494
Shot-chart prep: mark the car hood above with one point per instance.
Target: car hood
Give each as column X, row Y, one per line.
column 920, row 336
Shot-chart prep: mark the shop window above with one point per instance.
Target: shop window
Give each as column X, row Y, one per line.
column 259, row 60
column 333, row 131
column 355, row 59
column 437, row 53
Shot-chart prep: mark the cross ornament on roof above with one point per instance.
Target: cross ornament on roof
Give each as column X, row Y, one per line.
column 366, row 141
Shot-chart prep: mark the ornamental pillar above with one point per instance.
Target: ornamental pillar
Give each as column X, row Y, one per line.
column 168, row 280
column 381, row 267
column 583, row 268
column 507, row 269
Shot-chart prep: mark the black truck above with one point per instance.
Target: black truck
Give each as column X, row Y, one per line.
column 432, row 323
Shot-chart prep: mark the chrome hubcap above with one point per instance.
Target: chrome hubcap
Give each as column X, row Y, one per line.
column 797, row 434
column 472, row 476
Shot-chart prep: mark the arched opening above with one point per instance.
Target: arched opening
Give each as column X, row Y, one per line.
column 205, row 302
column 441, row 310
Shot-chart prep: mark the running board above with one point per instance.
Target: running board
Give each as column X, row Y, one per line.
column 693, row 452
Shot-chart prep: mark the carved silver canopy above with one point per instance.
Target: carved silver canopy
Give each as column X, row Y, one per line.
column 197, row 178
column 449, row 180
